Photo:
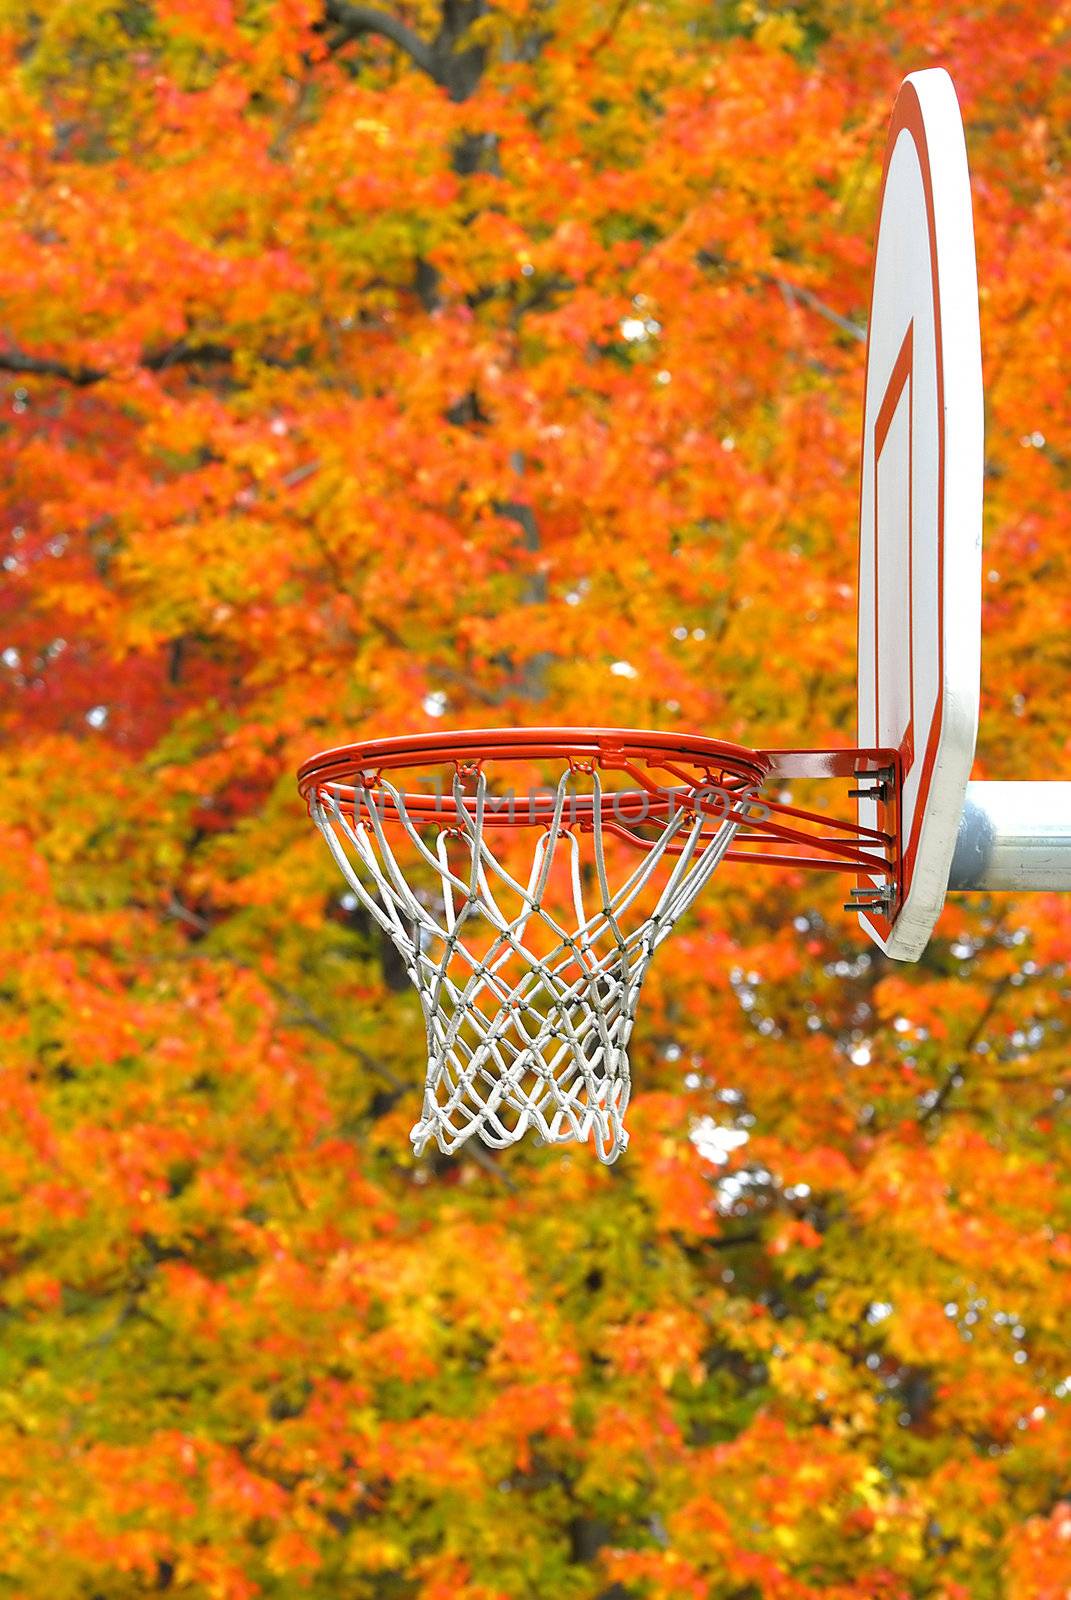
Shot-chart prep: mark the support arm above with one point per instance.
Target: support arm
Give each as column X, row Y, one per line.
column 1014, row 836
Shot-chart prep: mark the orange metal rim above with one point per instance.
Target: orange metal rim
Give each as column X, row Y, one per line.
column 607, row 748
column 710, row 776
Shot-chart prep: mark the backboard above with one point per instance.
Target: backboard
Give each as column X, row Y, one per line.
column 920, row 519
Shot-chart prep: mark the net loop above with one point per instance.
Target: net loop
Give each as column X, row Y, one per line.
column 581, row 764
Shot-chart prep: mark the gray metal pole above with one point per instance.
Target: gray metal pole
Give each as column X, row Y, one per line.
column 1014, row 836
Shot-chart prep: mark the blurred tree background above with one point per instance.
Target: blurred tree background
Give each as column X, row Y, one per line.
column 367, row 369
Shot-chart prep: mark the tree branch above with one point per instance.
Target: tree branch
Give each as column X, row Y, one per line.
column 793, row 291
column 304, row 1016
column 954, row 1077
column 174, row 355
column 46, row 367
column 355, row 20
column 790, row 293
column 611, row 28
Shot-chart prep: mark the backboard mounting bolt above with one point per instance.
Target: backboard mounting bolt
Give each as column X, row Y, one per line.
column 881, row 783
column 876, row 897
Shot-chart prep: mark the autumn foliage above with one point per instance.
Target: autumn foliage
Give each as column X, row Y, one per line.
column 366, row 370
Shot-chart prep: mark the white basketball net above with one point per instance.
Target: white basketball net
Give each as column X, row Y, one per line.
column 528, row 1020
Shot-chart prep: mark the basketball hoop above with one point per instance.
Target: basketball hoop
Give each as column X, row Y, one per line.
column 529, row 958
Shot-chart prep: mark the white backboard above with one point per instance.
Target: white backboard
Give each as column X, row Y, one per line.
column 920, row 524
